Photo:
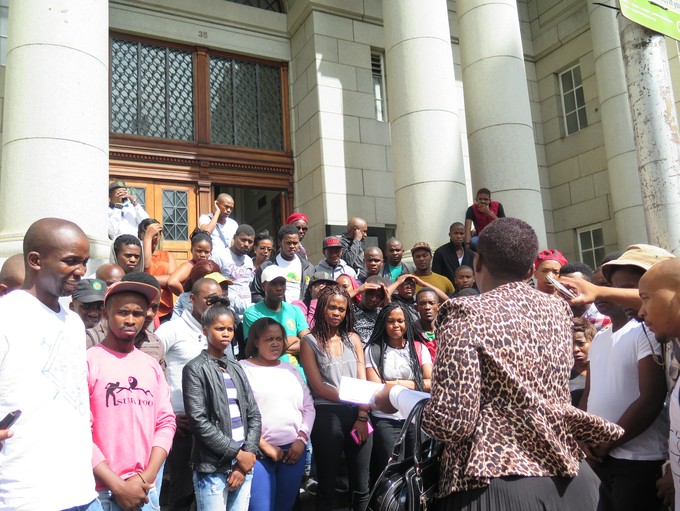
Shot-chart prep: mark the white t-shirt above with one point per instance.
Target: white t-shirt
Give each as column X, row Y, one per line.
column 293, row 278
column 222, row 233
column 183, row 340
column 396, row 366
column 239, row 269
column 47, row 464
column 614, row 385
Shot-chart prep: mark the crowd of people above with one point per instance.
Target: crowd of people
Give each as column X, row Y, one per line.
column 215, row 384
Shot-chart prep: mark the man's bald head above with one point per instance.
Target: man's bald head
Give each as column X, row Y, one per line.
column 110, row 273
column 47, row 234
column 12, row 274
column 357, row 225
column 224, row 197
column 659, row 291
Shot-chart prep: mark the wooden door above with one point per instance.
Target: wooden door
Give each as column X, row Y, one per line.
column 174, row 205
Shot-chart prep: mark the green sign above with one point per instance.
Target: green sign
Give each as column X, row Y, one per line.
column 662, row 16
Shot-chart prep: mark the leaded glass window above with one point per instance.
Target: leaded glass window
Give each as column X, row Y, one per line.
column 245, row 104
column 139, row 194
column 152, row 90
column 270, row 5
column 175, row 215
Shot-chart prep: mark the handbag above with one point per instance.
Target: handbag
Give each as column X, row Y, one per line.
column 409, row 481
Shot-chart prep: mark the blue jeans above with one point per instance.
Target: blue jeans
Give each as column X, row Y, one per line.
column 108, row 502
column 212, row 493
column 92, row 506
column 276, row 485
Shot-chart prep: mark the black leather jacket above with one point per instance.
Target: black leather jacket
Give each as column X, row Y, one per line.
column 205, row 403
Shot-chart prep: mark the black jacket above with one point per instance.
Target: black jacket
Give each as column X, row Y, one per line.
column 256, row 290
column 205, row 403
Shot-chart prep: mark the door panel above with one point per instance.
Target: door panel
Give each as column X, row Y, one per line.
column 175, row 207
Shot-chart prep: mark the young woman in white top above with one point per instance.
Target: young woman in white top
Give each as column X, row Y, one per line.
column 287, row 411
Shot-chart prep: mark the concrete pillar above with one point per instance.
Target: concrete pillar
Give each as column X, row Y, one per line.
column 655, row 129
column 499, row 125
column 427, row 162
column 617, row 125
column 55, row 140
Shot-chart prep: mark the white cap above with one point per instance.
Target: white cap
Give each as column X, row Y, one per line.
column 272, row 272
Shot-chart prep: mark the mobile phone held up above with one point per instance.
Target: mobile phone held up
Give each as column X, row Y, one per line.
column 560, row 287
column 355, row 435
column 10, row 419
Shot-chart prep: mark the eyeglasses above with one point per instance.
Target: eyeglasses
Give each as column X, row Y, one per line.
column 265, row 249
column 303, row 229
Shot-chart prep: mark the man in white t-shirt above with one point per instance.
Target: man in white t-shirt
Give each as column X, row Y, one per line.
column 219, row 224
column 46, row 464
column 236, row 264
column 125, row 213
column 299, row 270
column 626, row 384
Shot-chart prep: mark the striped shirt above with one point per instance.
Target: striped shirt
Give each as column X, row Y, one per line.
column 237, row 431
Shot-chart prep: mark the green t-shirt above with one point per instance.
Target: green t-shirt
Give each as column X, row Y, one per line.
column 290, row 316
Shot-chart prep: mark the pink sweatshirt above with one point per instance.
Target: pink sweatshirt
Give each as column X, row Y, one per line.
column 130, row 409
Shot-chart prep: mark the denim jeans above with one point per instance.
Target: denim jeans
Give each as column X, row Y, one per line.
column 276, row 485
column 212, row 493
column 108, row 502
column 92, row 506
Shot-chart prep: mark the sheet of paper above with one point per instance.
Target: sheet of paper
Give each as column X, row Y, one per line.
column 353, row 390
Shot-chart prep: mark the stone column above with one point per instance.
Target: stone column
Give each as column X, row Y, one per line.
column 55, row 140
column 622, row 164
column 499, row 125
column 427, row 162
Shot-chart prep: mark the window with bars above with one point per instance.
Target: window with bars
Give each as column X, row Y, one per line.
column 591, row 245
column 378, row 72
column 270, row 5
column 139, row 194
column 175, row 215
column 245, row 104
column 153, row 91
column 573, row 100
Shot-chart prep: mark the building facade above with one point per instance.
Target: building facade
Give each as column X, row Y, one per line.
column 392, row 111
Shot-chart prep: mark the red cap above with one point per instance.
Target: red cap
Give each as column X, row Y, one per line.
column 295, row 217
column 331, row 241
column 550, row 255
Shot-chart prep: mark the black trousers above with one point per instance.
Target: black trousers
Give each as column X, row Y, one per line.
column 331, row 435
column 631, row 483
column 386, row 432
column 180, row 487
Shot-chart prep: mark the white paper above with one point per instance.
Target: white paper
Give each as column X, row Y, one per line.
column 353, row 390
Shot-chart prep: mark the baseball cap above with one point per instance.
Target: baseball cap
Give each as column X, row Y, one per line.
column 219, row 278
column 90, row 290
column 330, row 242
column 273, row 272
column 641, row 256
column 322, row 276
column 550, row 254
column 116, row 184
column 421, row 245
column 149, row 291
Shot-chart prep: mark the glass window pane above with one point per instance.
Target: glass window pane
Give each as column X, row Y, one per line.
column 580, row 98
column 588, row 258
column 598, row 238
column 270, row 108
column 139, row 194
column 175, row 215
column 586, row 240
column 245, row 103
column 572, row 123
column 577, row 75
column 599, row 256
column 582, row 118
column 221, row 102
column 567, row 83
column 124, row 87
column 569, row 103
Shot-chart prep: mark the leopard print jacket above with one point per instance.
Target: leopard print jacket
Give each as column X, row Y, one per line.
column 500, row 390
